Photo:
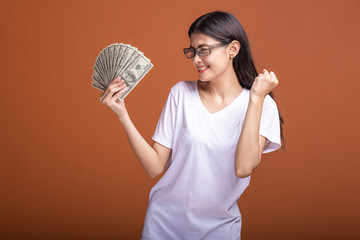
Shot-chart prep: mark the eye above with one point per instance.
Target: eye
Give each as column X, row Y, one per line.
column 204, row 51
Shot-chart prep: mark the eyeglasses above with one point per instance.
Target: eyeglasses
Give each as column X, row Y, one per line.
column 202, row 51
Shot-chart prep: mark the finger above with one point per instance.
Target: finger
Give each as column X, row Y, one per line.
column 116, row 79
column 260, row 75
column 119, row 93
column 102, row 96
column 263, row 76
column 274, row 78
column 267, row 73
column 115, row 85
column 121, row 89
column 115, row 90
column 122, row 82
column 112, row 92
column 273, row 75
column 105, row 93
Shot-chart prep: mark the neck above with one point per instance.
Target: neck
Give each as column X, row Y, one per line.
column 227, row 86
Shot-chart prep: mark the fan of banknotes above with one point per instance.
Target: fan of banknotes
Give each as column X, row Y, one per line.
column 122, row 60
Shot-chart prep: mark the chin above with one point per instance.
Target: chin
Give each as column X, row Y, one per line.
column 204, row 80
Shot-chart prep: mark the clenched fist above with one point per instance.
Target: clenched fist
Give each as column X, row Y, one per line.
column 263, row 84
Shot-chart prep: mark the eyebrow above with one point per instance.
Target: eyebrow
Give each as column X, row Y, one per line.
column 201, row 45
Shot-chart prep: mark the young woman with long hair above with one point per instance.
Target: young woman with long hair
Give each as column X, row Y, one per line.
column 210, row 135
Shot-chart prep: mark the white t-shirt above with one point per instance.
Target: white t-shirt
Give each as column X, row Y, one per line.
column 197, row 196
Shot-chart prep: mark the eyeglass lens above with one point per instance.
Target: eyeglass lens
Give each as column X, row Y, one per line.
column 202, row 52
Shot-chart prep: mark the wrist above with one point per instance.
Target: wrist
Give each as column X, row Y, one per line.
column 254, row 98
column 122, row 117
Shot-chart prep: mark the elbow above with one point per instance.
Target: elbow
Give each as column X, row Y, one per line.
column 245, row 165
column 152, row 175
column 243, row 172
column 155, row 173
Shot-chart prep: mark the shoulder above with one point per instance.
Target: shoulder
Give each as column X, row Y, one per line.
column 269, row 102
column 183, row 87
column 181, row 91
column 269, row 106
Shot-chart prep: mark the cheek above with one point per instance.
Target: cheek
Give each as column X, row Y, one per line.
column 219, row 58
column 219, row 64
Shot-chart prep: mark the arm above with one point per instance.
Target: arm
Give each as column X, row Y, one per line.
column 152, row 158
column 251, row 144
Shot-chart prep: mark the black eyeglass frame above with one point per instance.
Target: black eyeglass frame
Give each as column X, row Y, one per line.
column 198, row 52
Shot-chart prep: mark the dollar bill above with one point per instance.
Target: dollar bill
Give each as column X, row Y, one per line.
column 132, row 75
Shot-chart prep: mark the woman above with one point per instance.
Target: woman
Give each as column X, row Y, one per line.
column 210, row 135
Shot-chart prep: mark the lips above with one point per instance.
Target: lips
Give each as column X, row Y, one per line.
column 202, row 69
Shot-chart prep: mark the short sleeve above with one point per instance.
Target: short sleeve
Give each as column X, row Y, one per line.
column 166, row 124
column 270, row 125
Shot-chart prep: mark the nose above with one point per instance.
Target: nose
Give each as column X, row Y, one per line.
column 196, row 59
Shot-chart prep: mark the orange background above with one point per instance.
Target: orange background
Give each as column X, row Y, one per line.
column 67, row 170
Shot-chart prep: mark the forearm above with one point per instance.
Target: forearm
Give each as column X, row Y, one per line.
column 143, row 151
column 248, row 152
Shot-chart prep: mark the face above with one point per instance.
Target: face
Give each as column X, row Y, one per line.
column 214, row 66
column 128, row 77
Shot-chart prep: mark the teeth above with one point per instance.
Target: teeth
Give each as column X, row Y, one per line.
column 202, row 68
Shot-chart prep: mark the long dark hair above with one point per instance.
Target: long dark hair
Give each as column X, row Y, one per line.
column 225, row 28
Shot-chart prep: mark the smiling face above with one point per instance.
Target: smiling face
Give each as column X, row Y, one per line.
column 214, row 66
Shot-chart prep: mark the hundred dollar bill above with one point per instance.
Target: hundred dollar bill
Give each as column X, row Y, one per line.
column 132, row 75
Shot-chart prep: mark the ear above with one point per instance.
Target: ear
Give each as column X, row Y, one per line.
column 234, row 48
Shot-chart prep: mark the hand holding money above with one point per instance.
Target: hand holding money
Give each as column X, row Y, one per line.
column 122, row 60
column 110, row 97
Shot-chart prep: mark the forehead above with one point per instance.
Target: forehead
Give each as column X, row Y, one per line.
column 197, row 39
